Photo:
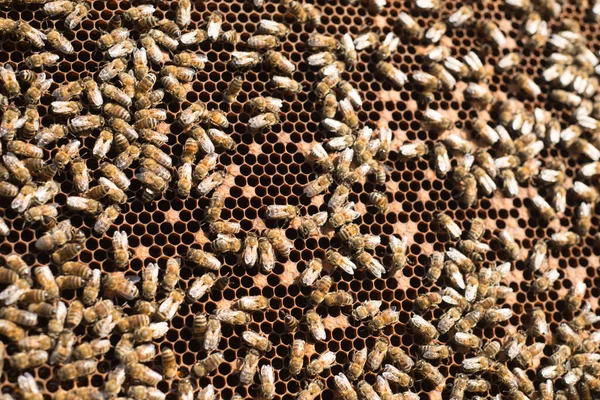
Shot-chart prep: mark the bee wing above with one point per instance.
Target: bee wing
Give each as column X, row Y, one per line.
column 267, row 374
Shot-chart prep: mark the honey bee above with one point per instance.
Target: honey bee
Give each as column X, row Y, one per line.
column 321, row 289
column 144, row 374
column 31, row 35
column 383, row 319
column 30, row 359
column 285, row 84
column 210, row 183
column 423, row 327
column 10, row 190
column 291, row 323
column 396, row 376
column 106, row 219
column 340, row 298
column 201, row 286
column 213, row 27
column 315, row 325
column 323, row 362
column 212, row 335
column 139, row 392
column 18, row 316
column 76, row 369
column 262, row 104
column 251, row 303
column 199, row 325
column 380, row 201
column 70, row 282
column 366, row 260
column 121, row 286
column 389, row 71
column 133, row 322
column 11, row 331
column 310, row 225
column 226, row 244
column 344, row 387
column 169, row 306
column 245, row 60
column 257, row 341
column 377, row 354
column 317, row 186
column 37, row 342
column 264, row 42
column 297, row 356
column 249, row 367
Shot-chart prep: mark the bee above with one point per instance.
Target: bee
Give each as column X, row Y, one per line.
column 165, row 41
column 226, row 243
column 356, row 367
column 37, row 342
column 389, row 71
column 323, row 362
column 202, row 285
column 140, row 392
column 257, row 341
column 120, row 249
column 131, row 323
column 262, row 104
column 313, row 388
column 575, row 296
column 263, row 122
column 98, row 311
column 583, row 192
column 30, row 359
column 174, row 87
column 56, row 8
column 144, row 374
column 366, row 260
column 4, row 229
column 251, row 303
column 510, row 246
column 11, row 121
column 84, row 123
column 213, row 27
column 396, row 376
column 298, row 11
column 40, row 61
column 291, row 323
column 448, row 319
column 315, row 325
column 66, row 253
column 249, row 367
column 317, row 186
column 212, row 335
column 11, row 331
column 19, row 172
column 285, row 84
column 344, row 387
column 70, row 282
column 269, row 27
column 121, row 286
column 106, row 219
column 264, row 42
column 297, row 356
column 321, row 59
column 383, row 319
column 583, row 216
column 245, row 60
column 233, row 89
column 76, row 369
column 9, row 79
column 31, row 35
column 377, row 354
column 423, row 327
column 168, row 308
column 115, row 380
column 310, row 225
column 200, row 325
column 21, row 317
column 59, row 42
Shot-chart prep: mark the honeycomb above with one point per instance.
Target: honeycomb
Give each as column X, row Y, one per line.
column 274, row 167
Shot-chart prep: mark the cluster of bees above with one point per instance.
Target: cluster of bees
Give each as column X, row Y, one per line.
column 121, row 107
